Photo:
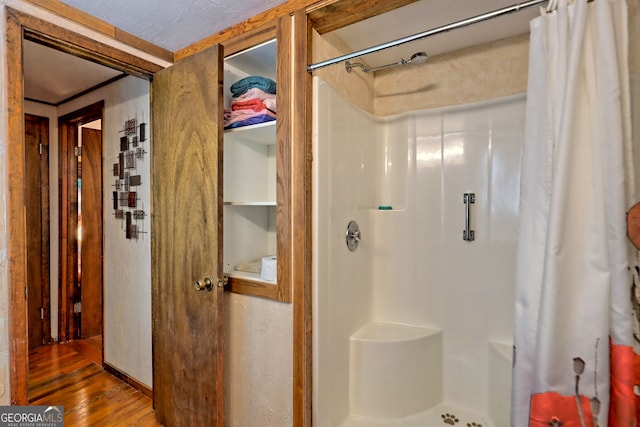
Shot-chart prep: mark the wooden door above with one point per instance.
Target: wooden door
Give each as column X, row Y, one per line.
column 90, row 218
column 37, row 217
column 186, row 236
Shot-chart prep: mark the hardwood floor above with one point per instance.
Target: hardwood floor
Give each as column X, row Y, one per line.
column 71, row 375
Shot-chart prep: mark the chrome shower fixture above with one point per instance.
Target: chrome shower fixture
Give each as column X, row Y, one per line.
column 416, row 58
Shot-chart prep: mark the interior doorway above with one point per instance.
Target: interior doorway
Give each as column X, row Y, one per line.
column 20, row 26
column 81, row 235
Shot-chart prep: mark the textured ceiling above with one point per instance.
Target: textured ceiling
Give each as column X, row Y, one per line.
column 67, row 75
column 173, row 24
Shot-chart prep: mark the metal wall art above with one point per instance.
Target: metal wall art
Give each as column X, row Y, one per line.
column 128, row 208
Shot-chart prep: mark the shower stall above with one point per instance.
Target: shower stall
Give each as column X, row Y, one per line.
column 413, row 327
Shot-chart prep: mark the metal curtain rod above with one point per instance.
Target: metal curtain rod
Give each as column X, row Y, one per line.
column 432, row 32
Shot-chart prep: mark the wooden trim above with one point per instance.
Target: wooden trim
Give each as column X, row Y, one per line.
column 96, row 24
column 259, row 20
column 302, row 240
column 247, row 287
column 284, row 132
column 82, row 93
column 16, row 219
column 84, row 115
column 337, row 14
column 280, row 29
column 60, row 38
column 147, row 391
column 250, row 38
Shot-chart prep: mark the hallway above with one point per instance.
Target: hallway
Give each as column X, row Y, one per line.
column 71, row 375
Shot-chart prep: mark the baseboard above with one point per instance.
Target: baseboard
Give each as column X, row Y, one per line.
column 147, row 391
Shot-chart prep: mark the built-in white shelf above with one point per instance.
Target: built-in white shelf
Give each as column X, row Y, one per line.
column 250, row 203
column 250, row 173
column 260, row 133
column 254, row 277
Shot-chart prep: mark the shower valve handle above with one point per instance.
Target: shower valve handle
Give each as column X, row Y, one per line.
column 353, row 236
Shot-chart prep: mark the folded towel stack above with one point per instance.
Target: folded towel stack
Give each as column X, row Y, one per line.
column 254, row 102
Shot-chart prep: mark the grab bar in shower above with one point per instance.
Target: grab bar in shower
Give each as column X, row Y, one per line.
column 468, row 234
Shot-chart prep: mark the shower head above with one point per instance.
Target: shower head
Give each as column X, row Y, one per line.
column 416, row 58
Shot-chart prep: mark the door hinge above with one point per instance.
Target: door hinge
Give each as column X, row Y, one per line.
column 77, row 307
column 78, row 151
column 40, row 148
column 223, row 282
column 41, row 313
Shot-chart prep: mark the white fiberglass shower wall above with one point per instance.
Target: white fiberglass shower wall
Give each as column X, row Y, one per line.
column 414, row 327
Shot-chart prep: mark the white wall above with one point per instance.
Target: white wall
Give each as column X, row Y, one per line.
column 127, row 262
column 258, row 362
column 412, row 266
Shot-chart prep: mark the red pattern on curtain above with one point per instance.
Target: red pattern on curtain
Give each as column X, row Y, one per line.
column 622, row 407
column 554, row 409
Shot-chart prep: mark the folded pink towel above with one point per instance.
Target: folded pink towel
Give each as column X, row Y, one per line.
column 268, row 99
column 250, row 104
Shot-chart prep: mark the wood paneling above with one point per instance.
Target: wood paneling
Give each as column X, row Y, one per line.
column 301, row 220
column 68, row 218
column 34, row 229
column 328, row 17
column 186, row 243
column 37, row 217
column 75, row 15
column 91, row 264
column 69, row 375
column 45, row 207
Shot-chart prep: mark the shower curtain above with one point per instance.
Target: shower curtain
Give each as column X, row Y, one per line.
column 574, row 325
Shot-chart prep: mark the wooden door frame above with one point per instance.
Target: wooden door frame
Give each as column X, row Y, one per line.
column 68, row 134
column 18, row 26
